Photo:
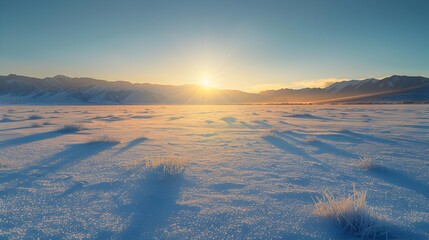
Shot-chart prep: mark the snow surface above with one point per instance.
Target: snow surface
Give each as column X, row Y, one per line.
column 251, row 173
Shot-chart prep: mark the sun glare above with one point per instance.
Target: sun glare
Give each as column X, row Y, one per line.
column 206, row 83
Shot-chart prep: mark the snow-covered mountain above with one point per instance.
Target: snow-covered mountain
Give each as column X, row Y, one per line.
column 373, row 85
column 410, row 95
column 351, row 90
column 65, row 90
column 61, row 89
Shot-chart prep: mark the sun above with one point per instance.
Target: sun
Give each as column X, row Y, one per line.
column 206, row 83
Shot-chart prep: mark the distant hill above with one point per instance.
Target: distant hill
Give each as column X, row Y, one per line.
column 63, row 90
column 352, row 90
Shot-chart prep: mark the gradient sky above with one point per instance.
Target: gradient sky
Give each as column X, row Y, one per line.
column 247, row 45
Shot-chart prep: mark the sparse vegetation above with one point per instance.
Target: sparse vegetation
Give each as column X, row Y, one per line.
column 352, row 214
column 71, row 128
column 311, row 139
column 366, row 163
column 34, row 117
column 36, row 125
column 104, row 139
column 166, row 167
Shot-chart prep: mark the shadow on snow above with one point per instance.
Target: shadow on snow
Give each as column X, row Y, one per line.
column 399, row 179
column 289, row 148
column 153, row 202
column 132, row 144
column 322, row 147
column 31, row 138
column 68, row 157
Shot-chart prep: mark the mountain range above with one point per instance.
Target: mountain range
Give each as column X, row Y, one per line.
column 63, row 90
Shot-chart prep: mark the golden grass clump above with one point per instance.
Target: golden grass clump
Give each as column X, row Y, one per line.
column 166, row 167
column 352, row 214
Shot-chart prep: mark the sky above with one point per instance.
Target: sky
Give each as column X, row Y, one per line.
column 247, row 45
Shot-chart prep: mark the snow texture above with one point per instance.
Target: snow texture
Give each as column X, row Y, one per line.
column 250, row 172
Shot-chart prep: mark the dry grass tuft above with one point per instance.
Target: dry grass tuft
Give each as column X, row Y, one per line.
column 366, row 163
column 167, row 167
column 71, row 128
column 104, row 139
column 352, row 214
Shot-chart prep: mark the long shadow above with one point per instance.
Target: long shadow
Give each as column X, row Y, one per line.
column 83, row 185
column 31, row 138
column 16, row 128
column 229, row 120
column 400, row 179
column 322, row 147
column 142, row 117
column 292, row 136
column 132, row 144
column 283, row 122
column 327, row 148
column 289, row 148
column 70, row 156
column 367, row 137
column 154, row 201
column 8, row 120
column 262, row 124
column 246, row 125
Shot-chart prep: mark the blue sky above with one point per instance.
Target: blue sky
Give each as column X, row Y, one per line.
column 247, row 45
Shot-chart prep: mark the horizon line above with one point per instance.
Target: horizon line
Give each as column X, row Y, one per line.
column 330, row 82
